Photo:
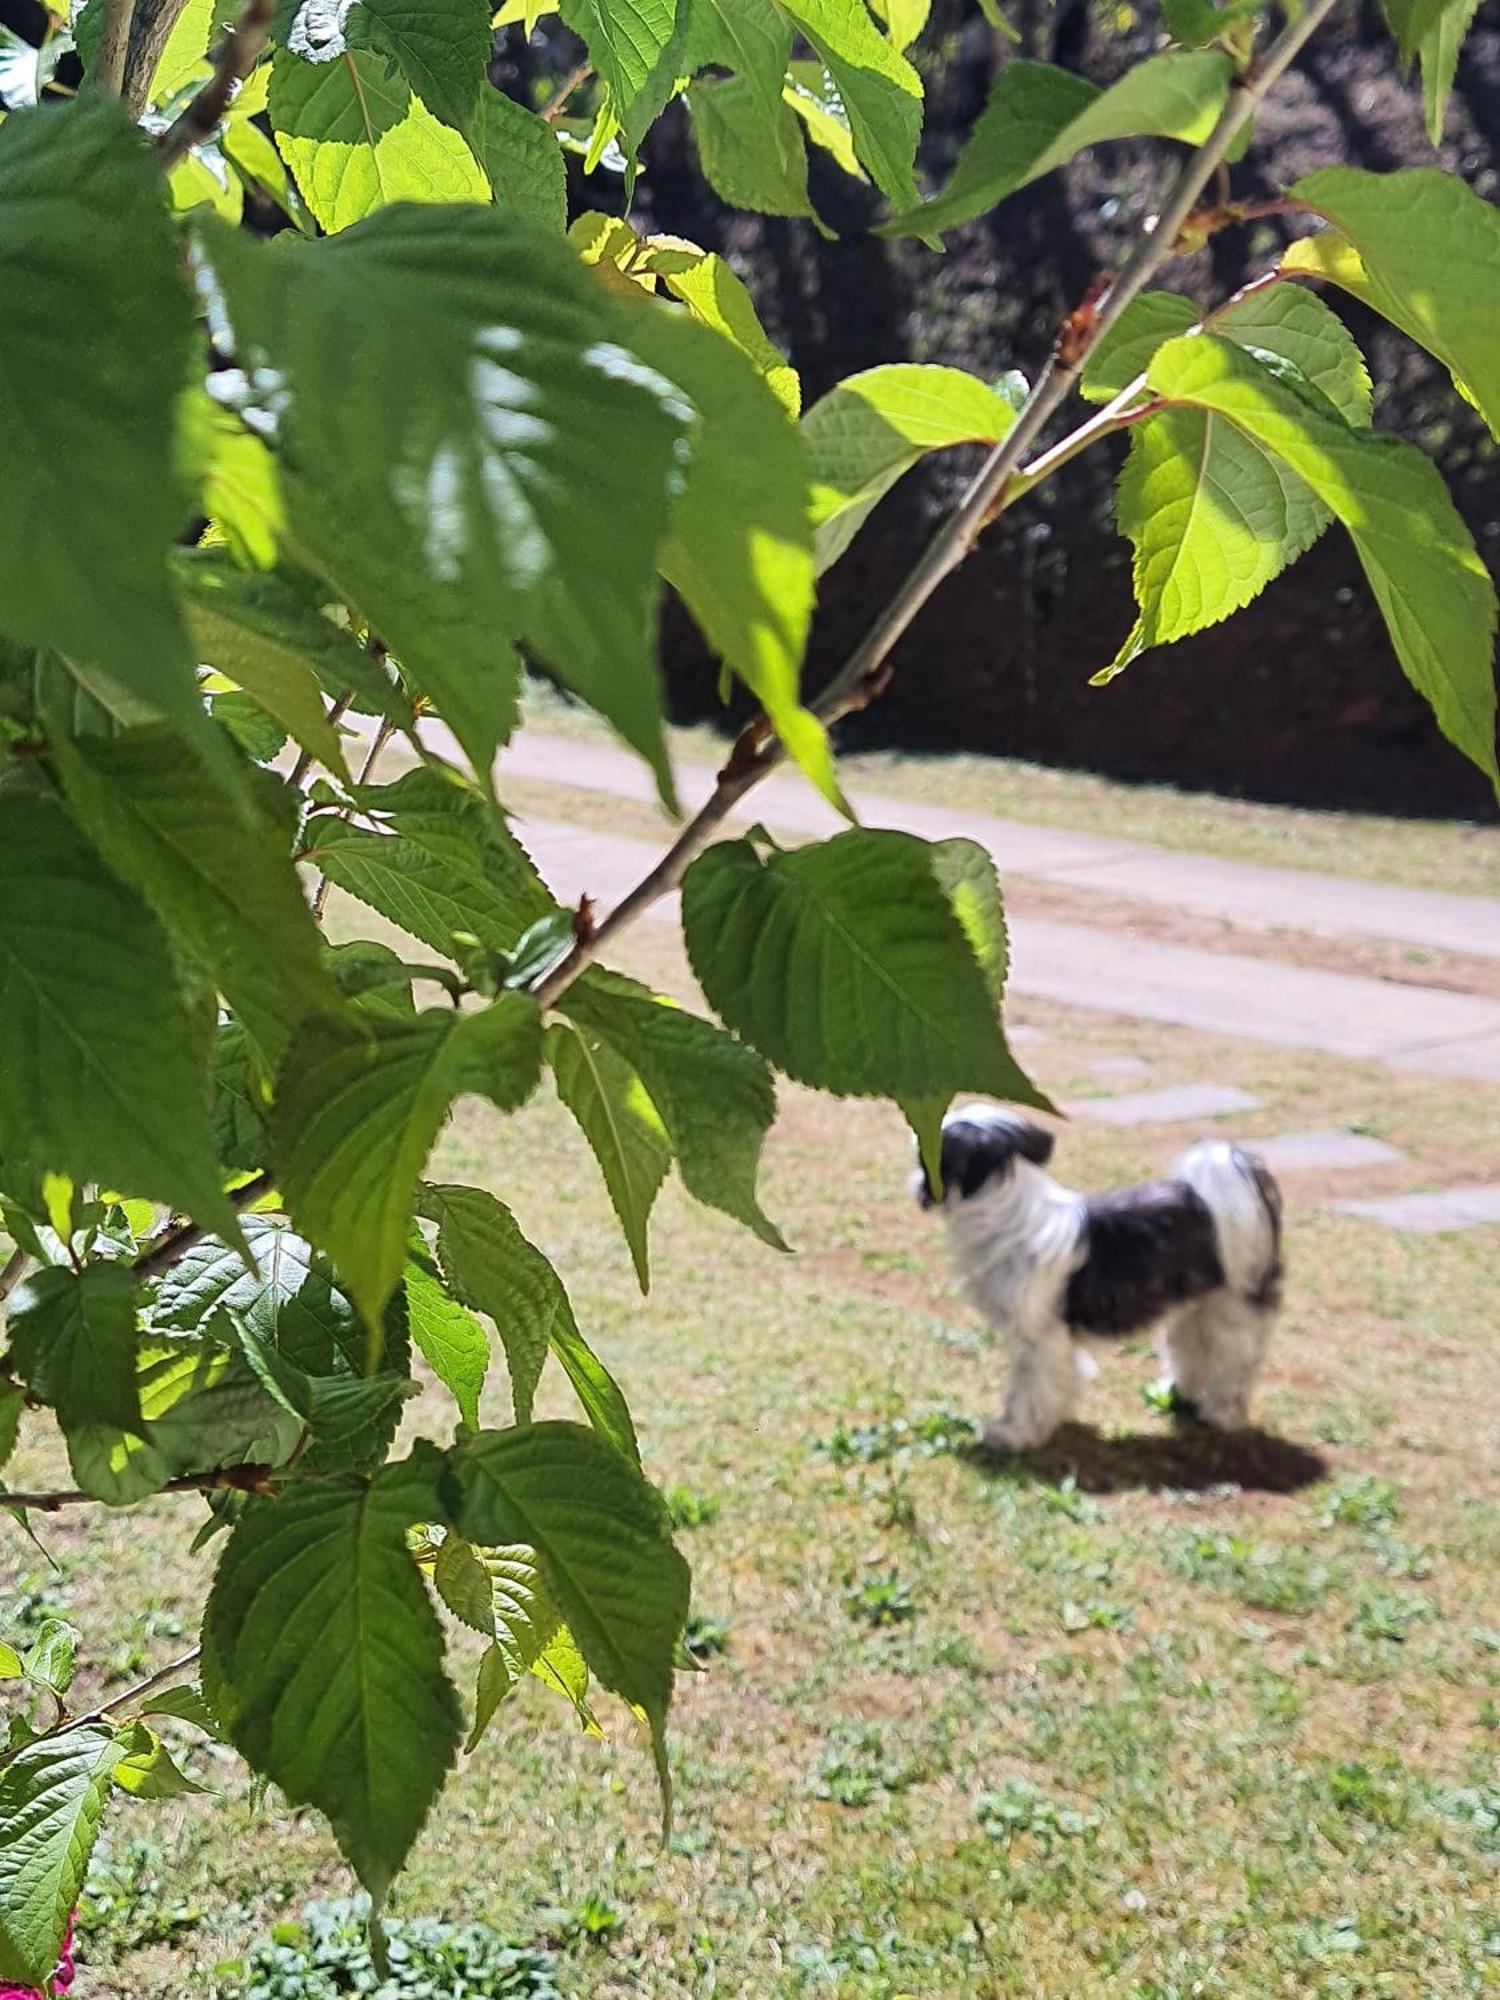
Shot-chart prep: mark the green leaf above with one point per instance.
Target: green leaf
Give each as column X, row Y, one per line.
column 904, row 19
column 52, row 1796
column 1038, row 118
column 105, row 1075
column 492, row 1267
column 529, row 1638
column 862, row 436
column 350, row 1419
column 740, row 556
column 323, row 1659
column 847, row 964
column 715, row 1097
column 186, row 53
column 52, row 1659
column 74, row 1339
column 224, row 885
column 626, row 42
column 1433, row 590
column 88, row 501
column 443, row 864
column 259, row 632
column 147, row 1770
column 356, row 139
column 716, row 298
column 622, row 1125
column 491, row 376
column 1428, row 258
column 604, row 1545
column 12, row 1407
column 10, row 1663
column 358, row 1105
column 810, row 92
column 204, row 1407
column 880, row 90
column 463, row 1583
column 1438, row 52
column 521, row 159
column 439, row 46
column 453, row 1343
column 237, row 480
column 1213, row 515
column 1149, row 319
column 183, row 1704
column 749, row 159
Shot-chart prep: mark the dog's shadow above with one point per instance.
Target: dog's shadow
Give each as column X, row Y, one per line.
column 1190, row 1458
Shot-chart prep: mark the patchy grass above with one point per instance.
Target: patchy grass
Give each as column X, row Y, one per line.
column 1174, row 1715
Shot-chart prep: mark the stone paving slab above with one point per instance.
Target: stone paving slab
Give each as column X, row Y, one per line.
column 1216, row 992
column 1290, row 1152
column 1430, row 1214
column 1171, row 1106
column 1289, row 898
column 1120, row 1066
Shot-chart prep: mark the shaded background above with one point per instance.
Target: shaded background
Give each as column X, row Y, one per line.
column 1297, row 699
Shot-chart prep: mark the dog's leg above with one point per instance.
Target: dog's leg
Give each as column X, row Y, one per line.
column 1046, row 1385
column 1232, row 1339
column 1183, row 1347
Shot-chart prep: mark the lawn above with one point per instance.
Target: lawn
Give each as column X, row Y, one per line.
column 1152, row 1718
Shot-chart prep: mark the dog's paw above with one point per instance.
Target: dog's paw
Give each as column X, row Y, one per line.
column 1000, row 1439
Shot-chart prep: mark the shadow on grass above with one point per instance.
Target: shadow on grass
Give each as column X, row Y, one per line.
column 1188, row 1459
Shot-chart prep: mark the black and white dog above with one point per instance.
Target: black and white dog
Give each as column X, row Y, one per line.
column 1197, row 1256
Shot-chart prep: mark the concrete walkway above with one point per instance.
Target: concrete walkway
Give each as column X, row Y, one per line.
column 1239, row 891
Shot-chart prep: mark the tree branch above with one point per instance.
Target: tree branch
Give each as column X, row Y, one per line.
column 108, row 73
column 236, row 54
column 553, row 109
column 227, row 1479
column 13, row 1273
column 865, row 673
column 171, row 1248
column 383, row 736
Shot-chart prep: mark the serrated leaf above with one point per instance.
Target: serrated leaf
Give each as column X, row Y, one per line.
column 862, row 436
column 259, row 632
column 847, row 965
column 1433, row 590
column 495, row 443
column 492, row 1267
column 350, row 1419
column 605, row 1549
column 627, row 41
column 236, row 476
column 89, row 504
column 453, row 1343
column 184, row 1704
column 740, row 554
column 356, row 139
column 463, row 1583
column 52, row 1797
column 904, row 19
column 879, row 89
column 222, row 882
column 73, row 1335
column 1037, row 118
column 204, row 1408
column 186, row 52
column 810, row 92
column 147, row 1769
column 323, row 1659
column 715, row 1096
column 444, row 863
column 105, row 1074
column 525, row 1622
column 1213, row 516
column 748, row 159
column 1438, row 52
column 522, row 160
column 704, row 282
column 358, row 1106
column 10, row 1663
column 622, row 1125
column 1427, row 257
column 439, row 46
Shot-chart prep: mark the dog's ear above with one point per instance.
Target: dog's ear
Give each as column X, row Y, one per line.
column 1033, row 1144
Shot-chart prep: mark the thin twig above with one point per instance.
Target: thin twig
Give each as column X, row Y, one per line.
column 864, row 673
column 13, row 1273
column 235, row 55
column 171, row 1248
column 383, row 736
column 552, row 110
column 297, row 776
column 227, row 1479
column 108, row 73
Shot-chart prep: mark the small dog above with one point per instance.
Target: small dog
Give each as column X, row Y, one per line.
column 1198, row 1256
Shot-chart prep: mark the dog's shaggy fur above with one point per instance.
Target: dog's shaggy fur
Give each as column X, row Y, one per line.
column 1198, row 1257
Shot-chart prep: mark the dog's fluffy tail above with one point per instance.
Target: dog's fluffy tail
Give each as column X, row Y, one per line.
column 1245, row 1203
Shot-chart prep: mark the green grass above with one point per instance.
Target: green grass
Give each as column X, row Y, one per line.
column 1453, row 855
column 1117, row 1726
